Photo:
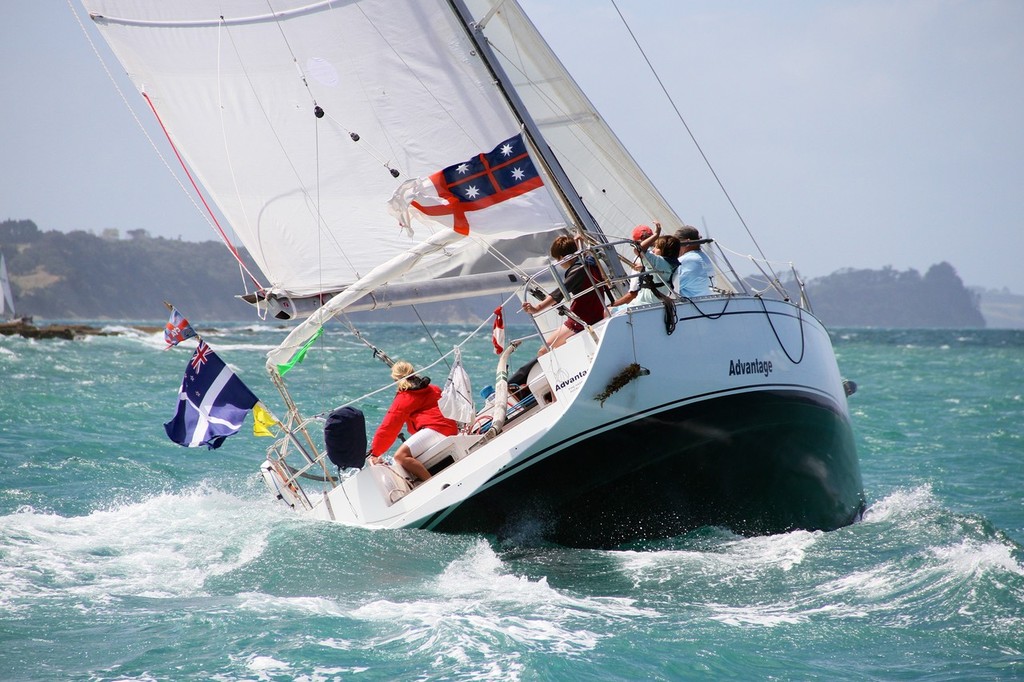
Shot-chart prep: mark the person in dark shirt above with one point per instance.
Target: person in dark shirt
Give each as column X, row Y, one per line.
column 581, row 274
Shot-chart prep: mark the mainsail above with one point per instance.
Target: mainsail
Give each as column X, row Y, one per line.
column 302, row 120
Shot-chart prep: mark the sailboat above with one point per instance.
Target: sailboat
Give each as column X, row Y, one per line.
column 6, row 296
column 333, row 137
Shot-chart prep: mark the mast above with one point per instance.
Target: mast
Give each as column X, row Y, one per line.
column 567, row 194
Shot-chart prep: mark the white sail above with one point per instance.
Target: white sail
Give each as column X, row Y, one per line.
column 6, row 297
column 236, row 85
column 614, row 188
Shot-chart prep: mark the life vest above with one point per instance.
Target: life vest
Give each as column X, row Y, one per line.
column 649, row 281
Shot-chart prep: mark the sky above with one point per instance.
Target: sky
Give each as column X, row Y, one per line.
column 846, row 133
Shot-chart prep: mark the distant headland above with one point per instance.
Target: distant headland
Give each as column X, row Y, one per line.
column 82, row 276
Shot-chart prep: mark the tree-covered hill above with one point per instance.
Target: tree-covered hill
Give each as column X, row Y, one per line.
column 79, row 275
column 892, row 298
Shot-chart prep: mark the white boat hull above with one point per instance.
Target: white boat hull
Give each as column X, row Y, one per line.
column 741, row 422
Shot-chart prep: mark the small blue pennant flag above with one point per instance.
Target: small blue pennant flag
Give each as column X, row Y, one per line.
column 212, row 402
column 177, row 328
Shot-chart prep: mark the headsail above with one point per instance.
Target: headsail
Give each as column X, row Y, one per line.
column 614, row 189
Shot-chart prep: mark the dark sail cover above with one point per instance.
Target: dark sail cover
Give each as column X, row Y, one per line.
column 345, row 437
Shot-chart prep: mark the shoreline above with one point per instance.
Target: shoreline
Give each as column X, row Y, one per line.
column 68, row 332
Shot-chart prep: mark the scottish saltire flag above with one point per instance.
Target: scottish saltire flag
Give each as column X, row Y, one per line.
column 212, row 402
column 177, row 328
column 505, row 173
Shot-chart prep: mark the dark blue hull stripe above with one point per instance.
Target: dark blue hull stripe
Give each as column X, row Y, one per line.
column 791, row 410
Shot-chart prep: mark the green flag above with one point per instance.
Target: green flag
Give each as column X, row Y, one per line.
column 298, row 357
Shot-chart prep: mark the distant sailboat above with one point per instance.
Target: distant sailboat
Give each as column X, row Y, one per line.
column 7, row 312
column 318, row 125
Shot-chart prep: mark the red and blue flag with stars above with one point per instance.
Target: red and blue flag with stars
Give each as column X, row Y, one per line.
column 212, row 402
column 487, row 179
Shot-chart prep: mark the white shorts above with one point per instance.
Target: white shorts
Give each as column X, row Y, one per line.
column 423, row 440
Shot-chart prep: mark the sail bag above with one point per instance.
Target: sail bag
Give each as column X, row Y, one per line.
column 345, row 437
column 456, row 401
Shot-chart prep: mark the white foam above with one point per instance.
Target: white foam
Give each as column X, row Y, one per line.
column 972, row 559
column 901, row 503
column 770, row 615
column 475, row 604
column 261, row 603
column 163, row 546
column 946, row 578
column 739, row 559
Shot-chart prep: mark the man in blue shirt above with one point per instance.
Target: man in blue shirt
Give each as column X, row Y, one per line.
column 695, row 273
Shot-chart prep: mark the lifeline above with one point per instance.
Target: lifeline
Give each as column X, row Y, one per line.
column 754, row 367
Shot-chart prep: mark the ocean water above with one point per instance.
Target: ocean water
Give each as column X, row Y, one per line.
column 126, row 557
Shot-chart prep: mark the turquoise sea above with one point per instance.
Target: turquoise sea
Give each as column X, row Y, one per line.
column 126, row 557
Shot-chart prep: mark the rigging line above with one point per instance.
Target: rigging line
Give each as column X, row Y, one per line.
column 295, row 60
column 432, row 339
column 321, row 225
column 629, row 171
column 502, row 258
column 679, row 114
column 305, row 82
column 752, row 258
column 362, row 144
column 231, row 247
column 573, row 126
column 377, row 352
column 705, row 315
column 803, row 340
column 223, row 132
column 131, row 110
column 454, row 120
column 319, row 234
column 223, row 128
column 444, row 357
column 341, row 25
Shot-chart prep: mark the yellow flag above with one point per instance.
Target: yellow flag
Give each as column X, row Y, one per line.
column 262, row 421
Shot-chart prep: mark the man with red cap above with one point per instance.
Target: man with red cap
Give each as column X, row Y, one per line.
column 660, row 268
column 641, row 232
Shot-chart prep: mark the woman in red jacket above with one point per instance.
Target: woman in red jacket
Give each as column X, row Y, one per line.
column 415, row 406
